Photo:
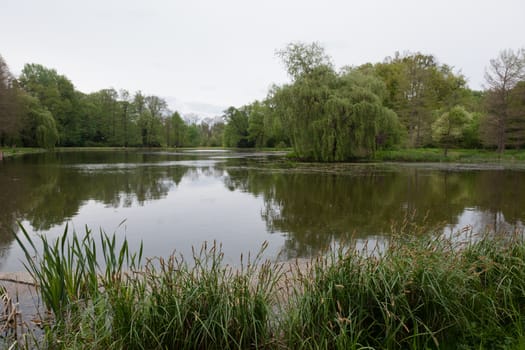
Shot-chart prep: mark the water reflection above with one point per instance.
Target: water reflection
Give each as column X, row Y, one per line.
column 316, row 209
column 180, row 198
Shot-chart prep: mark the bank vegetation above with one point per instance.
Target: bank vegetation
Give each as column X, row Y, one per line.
column 422, row 291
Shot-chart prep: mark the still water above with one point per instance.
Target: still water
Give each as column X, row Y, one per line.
column 173, row 201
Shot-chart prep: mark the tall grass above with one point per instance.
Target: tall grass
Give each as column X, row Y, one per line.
column 162, row 304
column 206, row 305
column 422, row 291
column 67, row 271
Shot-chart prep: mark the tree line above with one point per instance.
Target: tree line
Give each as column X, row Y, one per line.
column 42, row 108
column 408, row 100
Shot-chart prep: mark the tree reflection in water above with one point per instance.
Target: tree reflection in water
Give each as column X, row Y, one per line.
column 317, row 209
column 314, row 207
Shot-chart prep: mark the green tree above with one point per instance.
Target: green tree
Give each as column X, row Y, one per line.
column 58, row 95
column 236, row 128
column 418, row 86
column 113, row 121
column 151, row 121
column 302, row 59
column 150, row 113
column 179, row 130
column 419, row 97
column 46, row 131
column 257, row 130
column 138, row 107
column 126, row 119
column 449, row 128
column 176, row 130
column 276, row 134
column 205, row 129
column 9, row 106
column 333, row 117
column 39, row 125
column 471, row 133
column 109, row 118
column 104, row 117
column 217, row 133
column 193, row 135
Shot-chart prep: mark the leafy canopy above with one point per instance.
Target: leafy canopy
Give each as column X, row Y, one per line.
column 331, row 116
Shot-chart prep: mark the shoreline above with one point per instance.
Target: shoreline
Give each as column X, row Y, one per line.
column 509, row 158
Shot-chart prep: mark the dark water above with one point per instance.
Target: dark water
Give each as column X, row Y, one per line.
column 173, row 201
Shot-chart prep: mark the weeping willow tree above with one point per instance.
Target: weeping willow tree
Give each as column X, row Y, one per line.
column 41, row 128
column 46, row 131
column 331, row 116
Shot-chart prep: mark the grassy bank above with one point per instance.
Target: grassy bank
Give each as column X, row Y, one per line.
column 16, row 151
column 421, row 292
column 401, row 155
column 454, row 155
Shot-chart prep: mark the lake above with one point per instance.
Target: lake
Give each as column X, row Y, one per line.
column 173, row 201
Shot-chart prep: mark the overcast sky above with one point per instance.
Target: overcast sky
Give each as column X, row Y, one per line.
column 206, row 55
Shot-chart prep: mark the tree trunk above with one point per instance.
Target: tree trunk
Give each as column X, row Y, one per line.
column 501, row 133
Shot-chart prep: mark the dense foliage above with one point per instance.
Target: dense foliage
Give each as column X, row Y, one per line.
column 408, row 100
column 449, row 126
column 43, row 108
column 335, row 117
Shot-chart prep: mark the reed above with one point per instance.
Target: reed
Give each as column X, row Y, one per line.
column 165, row 303
column 423, row 291
column 67, row 271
